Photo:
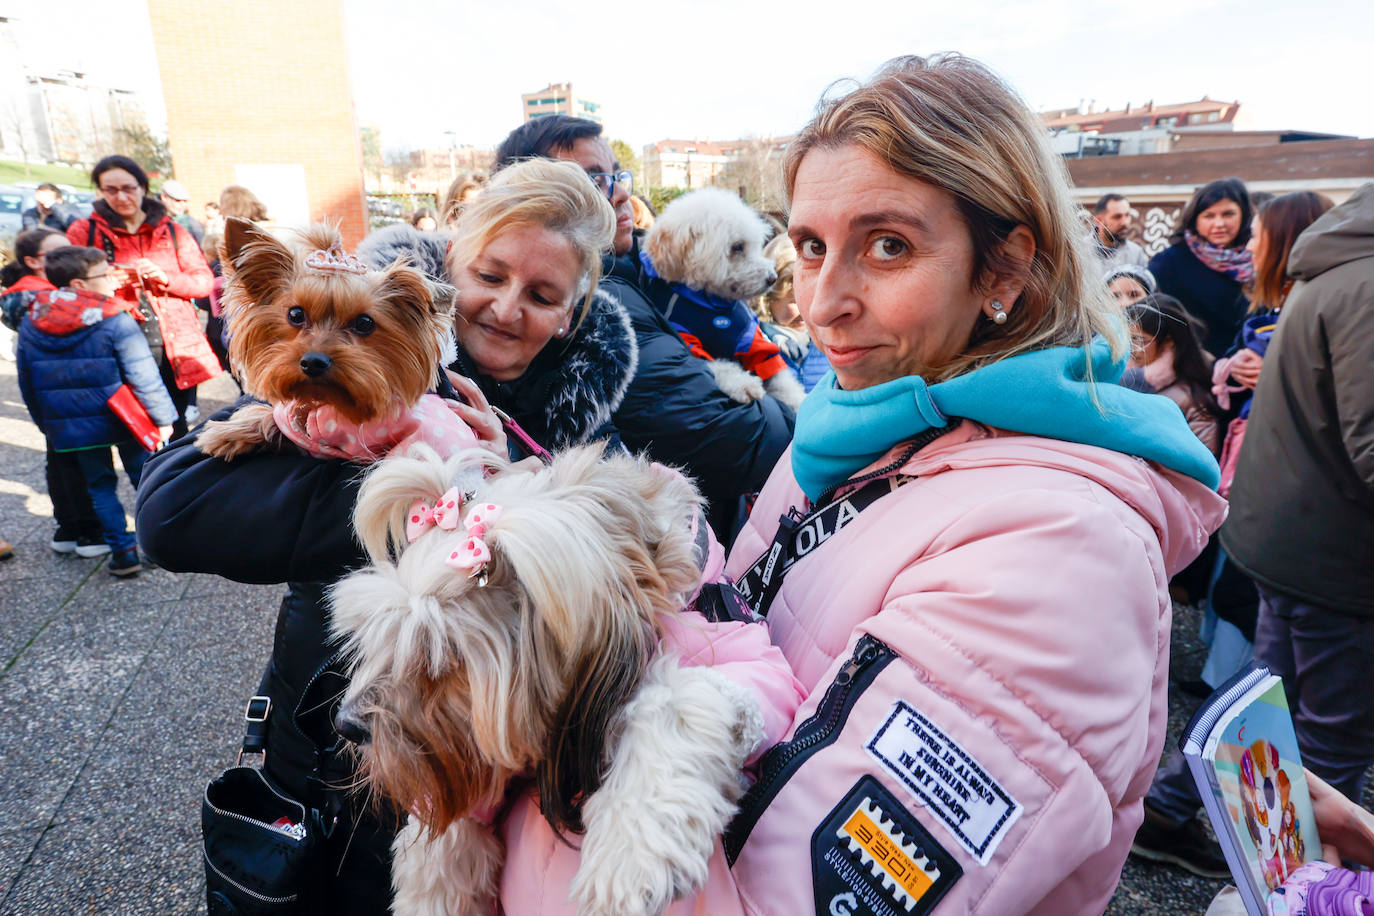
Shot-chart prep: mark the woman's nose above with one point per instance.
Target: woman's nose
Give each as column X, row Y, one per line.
column 506, row 305
column 831, row 293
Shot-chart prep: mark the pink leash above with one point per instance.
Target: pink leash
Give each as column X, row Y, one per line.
column 534, row 448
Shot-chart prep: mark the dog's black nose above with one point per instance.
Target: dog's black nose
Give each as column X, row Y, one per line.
column 315, row 364
column 772, row 278
column 351, row 727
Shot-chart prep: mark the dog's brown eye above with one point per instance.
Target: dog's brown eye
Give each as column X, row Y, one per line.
column 737, row 248
column 296, row 315
column 363, row 325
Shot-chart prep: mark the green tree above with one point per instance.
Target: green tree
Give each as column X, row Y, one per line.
column 625, row 155
column 146, row 148
column 659, row 198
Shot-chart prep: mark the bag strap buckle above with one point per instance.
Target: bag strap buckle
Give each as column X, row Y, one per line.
column 255, row 736
column 257, row 709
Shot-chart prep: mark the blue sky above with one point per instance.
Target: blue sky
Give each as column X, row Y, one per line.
column 717, row 69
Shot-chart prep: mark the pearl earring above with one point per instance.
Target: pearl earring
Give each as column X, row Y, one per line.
column 999, row 314
column 561, row 332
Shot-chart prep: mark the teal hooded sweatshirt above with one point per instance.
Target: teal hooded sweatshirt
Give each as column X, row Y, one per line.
column 1041, row 393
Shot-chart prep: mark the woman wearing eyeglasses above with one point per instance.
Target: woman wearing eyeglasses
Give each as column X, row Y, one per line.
column 159, row 267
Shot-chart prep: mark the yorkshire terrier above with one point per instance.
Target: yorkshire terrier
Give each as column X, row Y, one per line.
column 529, row 641
column 342, row 355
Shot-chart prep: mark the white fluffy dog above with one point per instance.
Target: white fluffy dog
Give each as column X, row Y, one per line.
column 710, row 242
column 513, row 631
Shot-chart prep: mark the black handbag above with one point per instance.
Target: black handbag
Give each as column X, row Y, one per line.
column 259, row 843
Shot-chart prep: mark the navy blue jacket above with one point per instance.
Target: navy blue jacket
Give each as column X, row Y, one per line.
column 66, row 378
column 1208, row 295
column 675, row 412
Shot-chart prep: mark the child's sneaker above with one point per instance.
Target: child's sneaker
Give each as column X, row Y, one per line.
column 63, row 541
column 125, row 563
column 91, row 547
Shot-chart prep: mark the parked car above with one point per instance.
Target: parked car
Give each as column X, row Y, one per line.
column 80, row 202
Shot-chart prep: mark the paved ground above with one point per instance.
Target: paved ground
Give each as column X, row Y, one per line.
column 119, row 699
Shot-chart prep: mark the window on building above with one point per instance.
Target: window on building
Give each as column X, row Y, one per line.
column 1214, row 116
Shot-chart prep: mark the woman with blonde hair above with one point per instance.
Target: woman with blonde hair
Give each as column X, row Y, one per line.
column 532, row 332
column 781, row 321
column 965, row 554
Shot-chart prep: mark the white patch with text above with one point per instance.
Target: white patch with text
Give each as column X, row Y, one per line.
column 946, row 779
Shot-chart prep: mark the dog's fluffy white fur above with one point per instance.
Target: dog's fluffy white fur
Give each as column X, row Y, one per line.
column 685, row 737
column 711, row 240
column 465, row 683
column 453, row 874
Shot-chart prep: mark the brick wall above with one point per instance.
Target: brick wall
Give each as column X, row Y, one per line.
column 262, row 82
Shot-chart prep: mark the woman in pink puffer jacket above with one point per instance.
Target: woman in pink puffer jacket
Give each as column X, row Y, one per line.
column 965, row 555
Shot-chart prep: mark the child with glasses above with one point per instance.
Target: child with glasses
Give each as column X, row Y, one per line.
column 78, row 346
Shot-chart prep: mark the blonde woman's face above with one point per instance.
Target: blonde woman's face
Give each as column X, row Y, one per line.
column 884, row 267
column 514, row 297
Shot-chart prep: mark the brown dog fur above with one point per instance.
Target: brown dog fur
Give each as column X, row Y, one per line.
column 381, row 333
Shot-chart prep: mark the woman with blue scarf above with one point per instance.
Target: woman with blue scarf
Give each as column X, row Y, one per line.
column 965, row 554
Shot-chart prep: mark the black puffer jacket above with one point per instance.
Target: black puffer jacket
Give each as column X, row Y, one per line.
column 675, row 412
column 571, row 389
column 267, row 518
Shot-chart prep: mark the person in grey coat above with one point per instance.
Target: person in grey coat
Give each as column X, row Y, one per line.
column 1302, row 504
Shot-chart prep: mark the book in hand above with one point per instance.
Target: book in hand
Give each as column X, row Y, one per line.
column 134, row 415
column 1243, row 753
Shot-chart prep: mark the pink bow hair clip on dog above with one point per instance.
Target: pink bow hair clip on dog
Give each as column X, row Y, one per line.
column 474, row 554
column 443, row 514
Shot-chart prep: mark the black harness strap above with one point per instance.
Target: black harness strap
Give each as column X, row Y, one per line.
column 799, row 536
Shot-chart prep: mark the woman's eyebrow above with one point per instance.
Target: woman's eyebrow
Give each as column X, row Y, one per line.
column 900, row 217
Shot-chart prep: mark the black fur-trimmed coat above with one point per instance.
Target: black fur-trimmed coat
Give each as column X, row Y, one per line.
column 574, row 385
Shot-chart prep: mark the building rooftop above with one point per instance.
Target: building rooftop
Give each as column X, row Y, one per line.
column 1202, row 111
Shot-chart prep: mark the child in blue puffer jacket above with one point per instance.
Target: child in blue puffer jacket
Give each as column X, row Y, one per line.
column 77, row 347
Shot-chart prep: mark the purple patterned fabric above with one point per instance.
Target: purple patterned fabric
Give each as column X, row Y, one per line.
column 1342, row 893
column 1236, row 263
column 1319, row 889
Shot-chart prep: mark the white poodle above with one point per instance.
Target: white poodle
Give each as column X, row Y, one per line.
column 708, row 248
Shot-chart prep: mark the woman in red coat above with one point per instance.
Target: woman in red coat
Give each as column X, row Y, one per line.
column 161, row 269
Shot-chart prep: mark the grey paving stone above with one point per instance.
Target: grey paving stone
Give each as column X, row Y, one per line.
column 27, row 606
column 15, row 846
column 112, row 866
column 56, row 699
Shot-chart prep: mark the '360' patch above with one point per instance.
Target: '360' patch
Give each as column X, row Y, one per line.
column 870, row 856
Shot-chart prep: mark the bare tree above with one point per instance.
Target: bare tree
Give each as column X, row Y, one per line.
column 755, row 173
column 14, row 123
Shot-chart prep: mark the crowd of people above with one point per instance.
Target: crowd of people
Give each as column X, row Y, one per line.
column 1021, row 433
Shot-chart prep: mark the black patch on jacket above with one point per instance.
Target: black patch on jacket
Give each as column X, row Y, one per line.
column 870, row 855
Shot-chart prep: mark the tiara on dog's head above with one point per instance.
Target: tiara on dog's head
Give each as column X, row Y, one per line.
column 335, row 259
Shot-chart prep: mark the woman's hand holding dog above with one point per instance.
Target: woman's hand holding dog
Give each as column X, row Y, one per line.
column 477, row 413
